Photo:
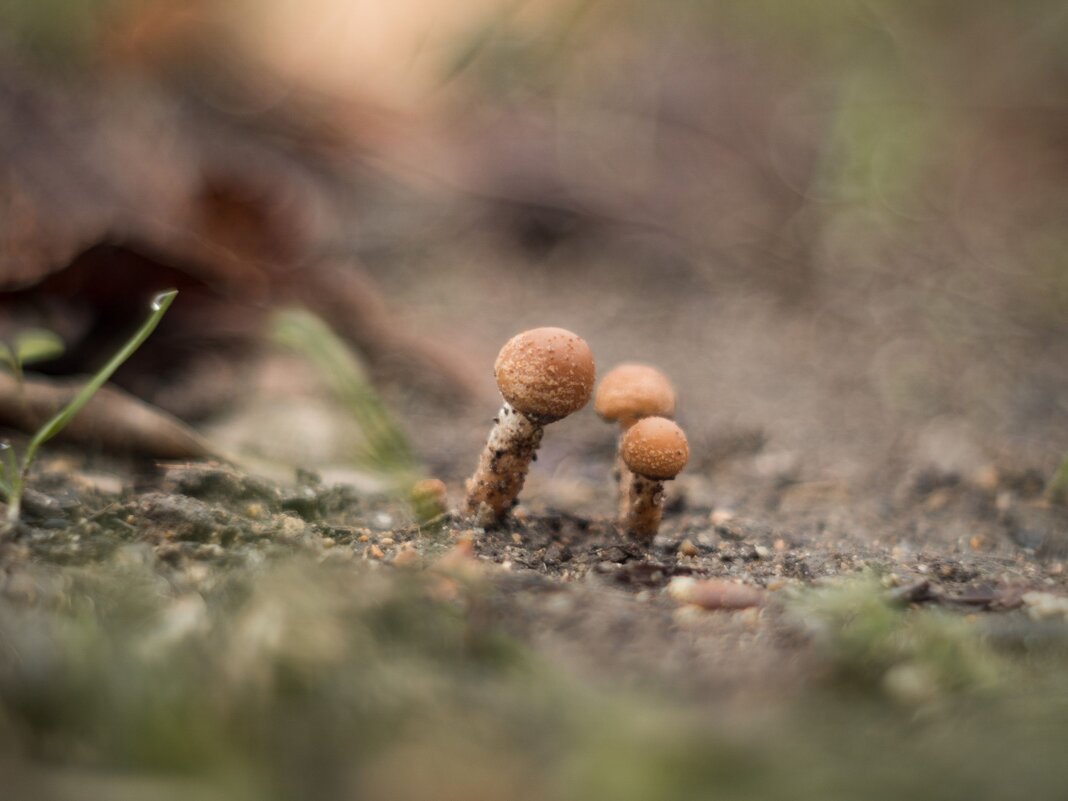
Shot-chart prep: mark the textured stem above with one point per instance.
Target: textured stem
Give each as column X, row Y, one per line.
column 502, row 468
column 624, row 478
column 646, row 498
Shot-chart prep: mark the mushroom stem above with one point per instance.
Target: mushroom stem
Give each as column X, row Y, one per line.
column 645, row 505
column 624, row 478
column 502, row 468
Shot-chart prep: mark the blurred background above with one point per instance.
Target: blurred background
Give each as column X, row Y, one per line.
column 838, row 225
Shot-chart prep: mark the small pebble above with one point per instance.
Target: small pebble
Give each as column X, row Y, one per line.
column 406, row 557
column 291, row 527
column 687, row 548
column 197, row 573
column 465, row 543
column 103, row 483
column 714, row 593
column 208, row 550
column 1045, row 605
column 720, row 517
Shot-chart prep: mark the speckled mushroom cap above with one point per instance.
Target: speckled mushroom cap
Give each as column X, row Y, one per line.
column 630, row 392
column 546, row 373
column 655, row 448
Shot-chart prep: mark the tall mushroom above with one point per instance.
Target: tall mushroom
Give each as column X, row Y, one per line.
column 544, row 375
column 628, row 393
column 655, row 450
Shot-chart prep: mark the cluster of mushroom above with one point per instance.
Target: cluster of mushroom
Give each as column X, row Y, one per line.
column 546, row 374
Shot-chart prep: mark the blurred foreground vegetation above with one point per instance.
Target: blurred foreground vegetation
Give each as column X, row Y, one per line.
column 301, row 680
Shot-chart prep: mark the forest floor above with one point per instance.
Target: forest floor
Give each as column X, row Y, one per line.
column 193, row 630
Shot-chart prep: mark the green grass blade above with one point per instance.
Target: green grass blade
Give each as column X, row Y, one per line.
column 8, row 358
column 387, row 449
column 1057, row 490
column 37, row 345
column 8, row 465
column 159, row 307
column 9, row 469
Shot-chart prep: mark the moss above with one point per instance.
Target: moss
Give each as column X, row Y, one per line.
column 871, row 643
column 297, row 680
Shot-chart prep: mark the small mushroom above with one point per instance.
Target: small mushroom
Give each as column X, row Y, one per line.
column 655, row 450
column 628, row 393
column 544, row 375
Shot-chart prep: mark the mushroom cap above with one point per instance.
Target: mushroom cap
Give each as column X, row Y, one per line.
column 630, row 392
column 546, row 373
column 655, row 448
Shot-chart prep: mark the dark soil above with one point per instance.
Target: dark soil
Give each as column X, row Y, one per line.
column 572, row 586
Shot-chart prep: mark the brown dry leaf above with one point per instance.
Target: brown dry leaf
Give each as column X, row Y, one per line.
column 111, row 194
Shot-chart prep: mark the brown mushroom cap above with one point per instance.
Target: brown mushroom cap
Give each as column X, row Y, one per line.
column 655, row 448
column 630, row 392
column 546, row 373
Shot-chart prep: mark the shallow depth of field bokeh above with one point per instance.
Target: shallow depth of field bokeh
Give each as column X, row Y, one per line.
column 837, row 222
column 838, row 225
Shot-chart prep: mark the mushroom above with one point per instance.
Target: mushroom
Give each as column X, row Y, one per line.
column 628, row 393
column 544, row 375
column 655, row 450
